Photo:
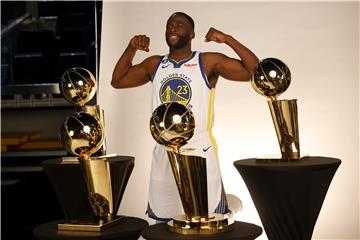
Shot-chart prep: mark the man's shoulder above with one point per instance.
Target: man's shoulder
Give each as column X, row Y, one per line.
column 211, row 56
column 150, row 63
column 152, row 60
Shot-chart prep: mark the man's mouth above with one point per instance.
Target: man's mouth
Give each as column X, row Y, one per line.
column 173, row 37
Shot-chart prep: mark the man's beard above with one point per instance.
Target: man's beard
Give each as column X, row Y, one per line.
column 182, row 42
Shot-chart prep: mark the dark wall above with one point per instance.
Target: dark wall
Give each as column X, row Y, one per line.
column 52, row 37
column 39, row 41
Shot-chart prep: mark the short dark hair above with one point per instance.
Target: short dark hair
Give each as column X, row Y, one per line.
column 190, row 20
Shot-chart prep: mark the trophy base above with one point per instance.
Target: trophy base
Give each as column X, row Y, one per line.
column 91, row 225
column 280, row 158
column 216, row 223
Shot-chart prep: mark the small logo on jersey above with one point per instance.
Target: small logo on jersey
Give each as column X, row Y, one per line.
column 190, row 64
column 175, row 89
column 205, row 149
column 165, row 63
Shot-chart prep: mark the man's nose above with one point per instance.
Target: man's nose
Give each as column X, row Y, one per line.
column 172, row 27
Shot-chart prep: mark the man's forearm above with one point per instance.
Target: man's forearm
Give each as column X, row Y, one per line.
column 249, row 59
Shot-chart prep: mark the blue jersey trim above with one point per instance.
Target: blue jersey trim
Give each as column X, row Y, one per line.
column 152, row 215
column 178, row 64
column 157, row 67
column 203, row 72
column 223, row 206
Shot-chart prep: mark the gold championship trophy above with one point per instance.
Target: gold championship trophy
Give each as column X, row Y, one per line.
column 270, row 79
column 82, row 135
column 173, row 125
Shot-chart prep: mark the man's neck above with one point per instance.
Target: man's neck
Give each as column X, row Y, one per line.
column 180, row 54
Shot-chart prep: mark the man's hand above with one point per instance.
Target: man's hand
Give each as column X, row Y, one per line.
column 215, row 35
column 140, row 42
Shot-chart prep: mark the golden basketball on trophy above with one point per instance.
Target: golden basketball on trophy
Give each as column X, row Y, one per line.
column 77, row 85
column 173, row 124
column 270, row 79
column 82, row 134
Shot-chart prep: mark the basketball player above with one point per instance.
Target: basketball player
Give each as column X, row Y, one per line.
column 188, row 77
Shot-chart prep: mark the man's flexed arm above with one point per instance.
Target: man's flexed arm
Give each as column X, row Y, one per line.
column 230, row 68
column 126, row 74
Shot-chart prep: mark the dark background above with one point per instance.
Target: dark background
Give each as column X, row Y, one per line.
column 39, row 41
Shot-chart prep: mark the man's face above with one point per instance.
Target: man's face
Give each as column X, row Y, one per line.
column 178, row 31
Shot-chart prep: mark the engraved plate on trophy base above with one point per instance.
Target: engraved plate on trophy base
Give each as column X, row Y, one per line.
column 91, row 225
column 216, row 223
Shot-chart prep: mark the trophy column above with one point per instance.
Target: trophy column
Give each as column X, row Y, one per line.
column 172, row 124
column 272, row 78
column 83, row 136
column 285, row 118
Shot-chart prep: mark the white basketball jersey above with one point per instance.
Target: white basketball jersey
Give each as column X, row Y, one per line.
column 184, row 82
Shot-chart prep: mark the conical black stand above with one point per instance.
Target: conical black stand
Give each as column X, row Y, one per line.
column 288, row 195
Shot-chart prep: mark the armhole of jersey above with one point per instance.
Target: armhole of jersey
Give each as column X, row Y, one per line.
column 157, row 67
column 203, row 72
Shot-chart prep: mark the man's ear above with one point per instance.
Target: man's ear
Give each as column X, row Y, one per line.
column 192, row 35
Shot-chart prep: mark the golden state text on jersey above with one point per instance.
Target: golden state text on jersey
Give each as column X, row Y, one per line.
column 175, row 88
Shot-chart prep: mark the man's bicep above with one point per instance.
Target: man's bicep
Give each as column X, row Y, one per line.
column 142, row 72
column 136, row 76
column 232, row 69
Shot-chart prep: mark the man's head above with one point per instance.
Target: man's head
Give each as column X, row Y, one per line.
column 179, row 30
